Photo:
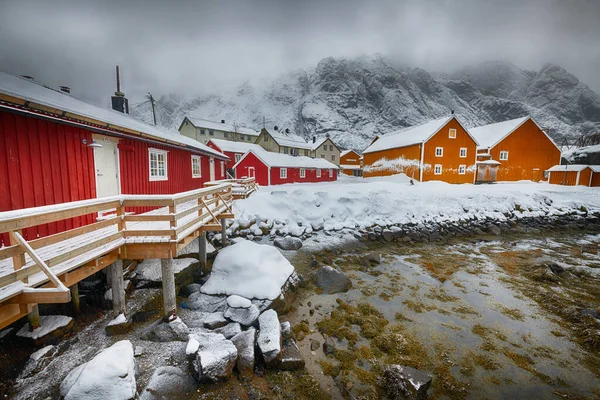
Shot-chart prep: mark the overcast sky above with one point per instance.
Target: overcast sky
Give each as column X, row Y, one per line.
column 192, row 47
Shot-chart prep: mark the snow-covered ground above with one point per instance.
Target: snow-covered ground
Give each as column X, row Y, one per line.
column 353, row 202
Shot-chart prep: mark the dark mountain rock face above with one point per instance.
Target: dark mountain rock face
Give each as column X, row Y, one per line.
column 355, row 99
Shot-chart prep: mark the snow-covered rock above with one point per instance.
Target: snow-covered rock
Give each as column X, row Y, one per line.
column 236, row 301
column 109, row 375
column 192, row 347
column 38, row 360
column 206, row 303
column 249, row 270
column 118, row 326
column 150, row 269
column 291, row 358
column 288, row 242
column 175, row 330
column 215, row 320
column 405, row 382
column 244, row 342
column 229, row 330
column 187, row 290
column 245, row 316
column 269, row 338
column 50, row 326
column 215, row 358
column 168, row 382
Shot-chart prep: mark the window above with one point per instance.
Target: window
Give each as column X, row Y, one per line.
column 462, row 169
column 322, row 155
column 196, row 168
column 238, row 157
column 318, row 173
column 226, row 135
column 211, row 133
column 266, row 138
column 285, row 150
column 223, row 168
column 283, row 173
column 302, row 173
column 452, row 133
column 504, row 155
column 331, row 173
column 333, row 157
column 463, row 152
column 306, row 153
column 330, row 147
column 202, row 132
column 158, row 165
column 249, row 138
column 437, row 170
column 439, row 151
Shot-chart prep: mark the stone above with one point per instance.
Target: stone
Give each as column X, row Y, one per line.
column 180, row 329
column 166, row 331
column 138, row 351
column 329, row 346
column 269, row 338
column 589, row 311
column 168, row 382
column 187, row 290
column 215, row 357
column 402, row 382
column 148, row 273
column 388, row 235
column 229, row 330
column 52, row 328
column 494, row 230
column 236, row 301
column 109, row 375
column 288, row 243
column 330, row 280
column 244, row 342
column 556, row 269
column 38, row 360
column 215, row 320
column 118, row 326
column 291, row 359
column 286, row 330
column 245, row 316
column 205, row 303
column 314, row 344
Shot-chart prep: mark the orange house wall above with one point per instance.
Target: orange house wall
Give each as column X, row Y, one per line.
column 595, row 179
column 528, row 148
column 347, row 160
column 409, row 152
column 584, row 177
column 558, row 178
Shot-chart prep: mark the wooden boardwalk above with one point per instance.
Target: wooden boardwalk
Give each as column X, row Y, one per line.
column 42, row 270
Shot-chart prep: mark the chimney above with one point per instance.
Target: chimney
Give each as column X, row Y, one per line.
column 314, row 139
column 222, row 121
column 287, row 130
column 65, row 89
column 276, row 128
column 452, row 112
column 119, row 101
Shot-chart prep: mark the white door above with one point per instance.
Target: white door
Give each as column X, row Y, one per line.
column 106, row 163
column 250, row 172
column 212, row 168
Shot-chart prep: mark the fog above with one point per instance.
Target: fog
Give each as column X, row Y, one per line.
column 191, row 47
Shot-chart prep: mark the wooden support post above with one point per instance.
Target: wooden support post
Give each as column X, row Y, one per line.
column 118, row 287
column 75, row 298
column 202, row 252
column 224, row 231
column 168, row 285
column 34, row 318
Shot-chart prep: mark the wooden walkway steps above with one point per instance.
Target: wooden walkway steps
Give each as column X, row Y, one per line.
column 41, row 270
column 241, row 188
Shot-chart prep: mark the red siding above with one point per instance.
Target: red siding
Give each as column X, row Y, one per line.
column 43, row 163
column 229, row 164
column 261, row 171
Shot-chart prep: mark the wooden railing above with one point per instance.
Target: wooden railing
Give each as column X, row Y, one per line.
column 39, row 270
column 241, row 188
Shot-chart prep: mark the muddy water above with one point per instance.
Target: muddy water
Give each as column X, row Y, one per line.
column 473, row 309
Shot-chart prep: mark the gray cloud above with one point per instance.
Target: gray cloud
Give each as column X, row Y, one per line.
column 193, row 47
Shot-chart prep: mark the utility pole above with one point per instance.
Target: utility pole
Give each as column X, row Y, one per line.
column 153, row 110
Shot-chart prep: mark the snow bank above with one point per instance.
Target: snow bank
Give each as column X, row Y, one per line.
column 249, row 270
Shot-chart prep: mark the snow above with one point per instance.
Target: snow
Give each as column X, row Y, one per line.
column 489, row 135
column 343, row 153
column 219, row 126
column 249, row 270
column 32, row 91
column 121, row 319
column 290, row 140
column 396, row 164
column 568, row 167
column 272, row 159
column 236, row 301
column 349, row 166
column 41, row 352
column 48, row 324
column 574, row 153
column 150, row 269
column 408, row 136
column 192, row 346
column 595, row 168
column 235, row 147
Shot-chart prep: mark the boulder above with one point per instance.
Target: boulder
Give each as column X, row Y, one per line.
column 288, row 243
column 494, row 230
column 236, row 301
column 314, row 345
column 187, row 290
column 172, row 331
column 148, row 273
column 245, row 316
column 229, row 330
column 556, row 269
column 330, row 280
column 109, row 375
column 244, row 342
column 388, row 235
column 118, row 326
column 52, row 328
column 215, row 320
column 286, row 330
column 215, row 358
column 269, row 338
column 168, row 382
column 402, row 382
column 291, row 359
column 329, row 346
column 589, row 311
column 38, row 360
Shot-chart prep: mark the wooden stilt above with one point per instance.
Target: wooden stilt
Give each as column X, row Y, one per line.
column 224, row 239
column 75, row 298
column 202, row 252
column 34, row 318
column 168, row 285
column 118, row 287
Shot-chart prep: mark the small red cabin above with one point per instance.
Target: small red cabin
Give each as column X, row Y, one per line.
column 269, row 168
column 233, row 150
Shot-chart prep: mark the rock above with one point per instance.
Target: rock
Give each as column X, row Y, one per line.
column 244, row 342
column 405, row 382
column 166, row 332
column 245, row 316
column 590, row 312
column 388, row 235
column 192, row 348
column 52, row 328
column 286, row 330
column 38, row 360
column 215, row 320
column 139, row 350
column 494, row 230
column 556, row 269
column 236, row 301
column 118, row 326
column 168, row 382
column 229, row 330
column 205, row 303
column 288, row 243
column 149, row 271
column 329, row 346
column 291, row 359
column 109, row 375
column 215, row 358
column 269, row 338
column 330, row 280
column 180, row 329
column 187, row 290
column 314, row 345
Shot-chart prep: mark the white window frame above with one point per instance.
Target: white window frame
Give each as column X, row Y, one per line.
column 461, row 152
column 440, row 150
column 330, row 173
column 452, row 133
column 223, row 169
column 283, row 173
column 505, row 154
column 302, row 173
column 158, row 152
column 435, row 169
column 462, row 169
column 238, row 157
column 199, row 174
column 318, row 173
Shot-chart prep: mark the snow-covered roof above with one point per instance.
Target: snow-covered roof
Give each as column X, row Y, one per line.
column 291, row 140
column 31, row 91
column 568, row 167
column 343, row 153
column 219, row 126
column 595, row 168
column 408, row 136
column 490, row 135
column 488, row 162
column 272, row 159
column 235, row 147
column 350, row 166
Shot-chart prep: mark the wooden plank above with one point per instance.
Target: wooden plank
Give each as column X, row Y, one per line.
column 187, row 225
column 156, row 232
column 39, row 261
column 10, row 251
column 149, row 217
column 135, row 251
column 210, row 227
column 10, row 313
column 41, row 296
column 226, row 215
column 18, row 275
column 59, row 237
column 147, row 203
column 188, row 211
column 83, row 249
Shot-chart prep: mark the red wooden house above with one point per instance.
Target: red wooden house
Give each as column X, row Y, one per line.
column 55, row 148
column 269, row 168
column 233, row 150
column 573, row 175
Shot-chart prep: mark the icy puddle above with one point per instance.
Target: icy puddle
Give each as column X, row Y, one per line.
column 487, row 319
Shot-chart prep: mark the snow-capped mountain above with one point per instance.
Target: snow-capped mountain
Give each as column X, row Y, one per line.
column 353, row 100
